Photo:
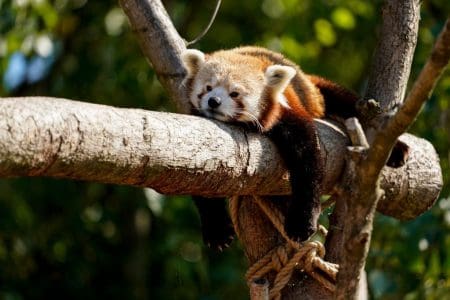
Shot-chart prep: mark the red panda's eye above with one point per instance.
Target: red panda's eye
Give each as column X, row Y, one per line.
column 234, row 94
column 208, row 88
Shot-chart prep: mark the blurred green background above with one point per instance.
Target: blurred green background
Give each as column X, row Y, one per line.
column 93, row 241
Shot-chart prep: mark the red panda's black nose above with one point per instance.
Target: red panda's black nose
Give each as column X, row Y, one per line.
column 214, row 102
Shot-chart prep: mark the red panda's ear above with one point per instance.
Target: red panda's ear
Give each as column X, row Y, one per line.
column 192, row 60
column 279, row 76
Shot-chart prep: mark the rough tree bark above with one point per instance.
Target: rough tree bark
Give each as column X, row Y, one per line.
column 180, row 154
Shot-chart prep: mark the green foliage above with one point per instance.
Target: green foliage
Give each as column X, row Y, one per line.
column 87, row 240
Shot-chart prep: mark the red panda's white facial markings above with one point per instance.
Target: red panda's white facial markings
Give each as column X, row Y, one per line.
column 217, row 104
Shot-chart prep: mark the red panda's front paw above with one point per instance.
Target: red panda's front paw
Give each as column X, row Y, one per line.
column 299, row 230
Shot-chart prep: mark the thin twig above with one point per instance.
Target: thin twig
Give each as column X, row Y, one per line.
column 356, row 133
column 202, row 34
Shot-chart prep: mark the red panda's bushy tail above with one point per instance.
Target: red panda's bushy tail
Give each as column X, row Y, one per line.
column 339, row 101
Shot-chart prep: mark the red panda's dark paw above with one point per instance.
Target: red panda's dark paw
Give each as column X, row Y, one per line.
column 298, row 230
column 219, row 237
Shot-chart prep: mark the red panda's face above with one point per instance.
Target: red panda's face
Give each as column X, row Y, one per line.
column 227, row 93
column 234, row 88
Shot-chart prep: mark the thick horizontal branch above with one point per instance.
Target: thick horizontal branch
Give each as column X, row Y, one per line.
column 180, row 154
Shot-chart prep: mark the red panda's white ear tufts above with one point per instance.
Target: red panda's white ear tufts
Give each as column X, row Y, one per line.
column 192, row 60
column 279, row 76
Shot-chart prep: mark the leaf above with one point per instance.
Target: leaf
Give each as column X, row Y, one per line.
column 343, row 18
column 325, row 33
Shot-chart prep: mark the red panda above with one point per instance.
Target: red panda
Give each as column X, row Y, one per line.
column 261, row 88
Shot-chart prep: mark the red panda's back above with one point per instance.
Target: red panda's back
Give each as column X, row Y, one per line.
column 309, row 95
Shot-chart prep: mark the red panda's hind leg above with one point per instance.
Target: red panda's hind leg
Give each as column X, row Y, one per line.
column 217, row 229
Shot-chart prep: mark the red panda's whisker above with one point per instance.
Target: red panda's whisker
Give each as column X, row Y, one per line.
column 253, row 119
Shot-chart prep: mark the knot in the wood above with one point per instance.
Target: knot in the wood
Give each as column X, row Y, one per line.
column 368, row 109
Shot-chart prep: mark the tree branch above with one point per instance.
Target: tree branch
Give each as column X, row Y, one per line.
column 419, row 94
column 179, row 154
column 160, row 43
column 172, row 153
column 393, row 55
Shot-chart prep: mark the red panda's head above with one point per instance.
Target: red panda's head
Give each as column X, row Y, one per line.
column 232, row 87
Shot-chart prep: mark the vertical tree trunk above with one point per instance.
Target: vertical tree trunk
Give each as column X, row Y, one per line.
column 352, row 219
